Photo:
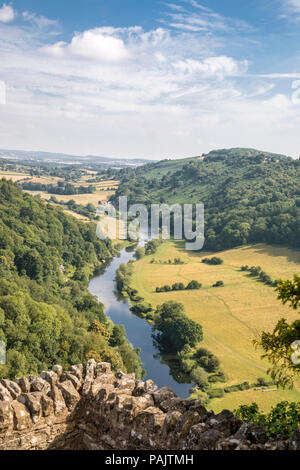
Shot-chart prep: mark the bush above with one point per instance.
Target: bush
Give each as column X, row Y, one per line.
column 219, row 284
column 283, row 419
column 193, row 285
column 213, row 261
column 200, row 377
column 216, row 393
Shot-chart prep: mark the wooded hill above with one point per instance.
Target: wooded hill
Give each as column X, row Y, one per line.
column 47, row 315
column 250, row 196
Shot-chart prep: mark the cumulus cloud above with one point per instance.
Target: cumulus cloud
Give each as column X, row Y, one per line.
column 94, row 44
column 7, row 13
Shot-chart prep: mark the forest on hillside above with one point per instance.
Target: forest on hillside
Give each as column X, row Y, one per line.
column 47, row 315
column 249, row 196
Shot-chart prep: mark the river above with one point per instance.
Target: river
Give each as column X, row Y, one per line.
column 138, row 331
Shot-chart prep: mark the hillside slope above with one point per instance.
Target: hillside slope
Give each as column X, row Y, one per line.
column 46, row 312
column 249, row 196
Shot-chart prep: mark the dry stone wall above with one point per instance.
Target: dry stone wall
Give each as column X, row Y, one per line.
column 96, row 409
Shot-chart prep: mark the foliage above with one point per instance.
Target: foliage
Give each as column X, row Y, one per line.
column 219, row 284
column 249, row 196
column 277, row 345
column 139, row 253
column 213, row 261
column 262, row 275
column 151, row 246
column 289, row 291
column 61, row 188
column 47, row 315
column 283, row 419
column 193, row 285
column 176, row 329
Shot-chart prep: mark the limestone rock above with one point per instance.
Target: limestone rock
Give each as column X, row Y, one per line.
column 57, row 369
column 4, row 394
column 77, row 370
column 22, row 420
column 5, row 416
column 70, row 394
column 37, row 384
column 12, row 387
column 24, row 384
column 89, row 376
column 32, row 401
column 49, row 376
column 163, row 394
column 72, row 378
column 58, row 400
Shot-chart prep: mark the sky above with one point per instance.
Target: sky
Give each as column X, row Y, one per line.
column 150, row 79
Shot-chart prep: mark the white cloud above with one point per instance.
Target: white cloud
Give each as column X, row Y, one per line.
column 93, row 44
column 7, row 13
column 293, row 5
column 40, row 21
column 130, row 92
column 213, row 67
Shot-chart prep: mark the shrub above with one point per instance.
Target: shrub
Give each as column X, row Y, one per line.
column 213, row 261
column 219, row 284
column 283, row 419
column 216, row 393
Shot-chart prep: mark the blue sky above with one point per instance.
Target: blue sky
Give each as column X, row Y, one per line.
column 150, row 78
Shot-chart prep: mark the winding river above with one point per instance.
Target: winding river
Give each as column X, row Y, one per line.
column 138, row 331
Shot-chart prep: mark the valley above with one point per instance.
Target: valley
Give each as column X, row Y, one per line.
column 231, row 316
column 252, row 216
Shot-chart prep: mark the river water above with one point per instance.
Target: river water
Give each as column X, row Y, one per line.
column 138, row 331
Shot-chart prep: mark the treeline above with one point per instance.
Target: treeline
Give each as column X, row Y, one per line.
column 62, row 188
column 256, row 271
column 249, row 196
column 174, row 262
column 193, row 285
column 213, row 261
column 87, row 210
column 47, row 315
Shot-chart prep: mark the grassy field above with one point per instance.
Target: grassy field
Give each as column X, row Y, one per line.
column 83, row 199
column 231, row 316
column 13, row 176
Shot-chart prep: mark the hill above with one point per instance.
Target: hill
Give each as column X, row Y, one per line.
column 46, row 312
column 249, row 196
column 34, row 156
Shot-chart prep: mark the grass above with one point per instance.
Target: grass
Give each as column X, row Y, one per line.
column 13, row 176
column 83, row 199
column 231, row 316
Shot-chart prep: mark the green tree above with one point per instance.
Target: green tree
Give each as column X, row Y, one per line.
column 278, row 345
column 176, row 329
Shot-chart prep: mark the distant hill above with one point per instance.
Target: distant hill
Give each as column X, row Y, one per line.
column 27, row 156
column 250, row 196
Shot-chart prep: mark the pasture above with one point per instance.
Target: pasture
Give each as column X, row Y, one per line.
column 232, row 316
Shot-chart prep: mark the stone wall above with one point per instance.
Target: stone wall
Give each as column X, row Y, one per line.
column 96, row 409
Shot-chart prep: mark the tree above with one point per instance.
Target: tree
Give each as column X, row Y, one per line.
column 194, row 285
column 281, row 345
column 176, row 329
column 118, row 336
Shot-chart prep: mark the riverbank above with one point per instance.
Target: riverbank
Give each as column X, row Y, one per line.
column 139, row 333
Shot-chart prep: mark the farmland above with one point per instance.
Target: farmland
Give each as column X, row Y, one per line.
column 231, row 316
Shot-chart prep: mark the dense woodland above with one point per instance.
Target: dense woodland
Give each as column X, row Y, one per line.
column 249, row 196
column 47, row 315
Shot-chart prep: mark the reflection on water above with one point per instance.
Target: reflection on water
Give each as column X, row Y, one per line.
column 163, row 369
